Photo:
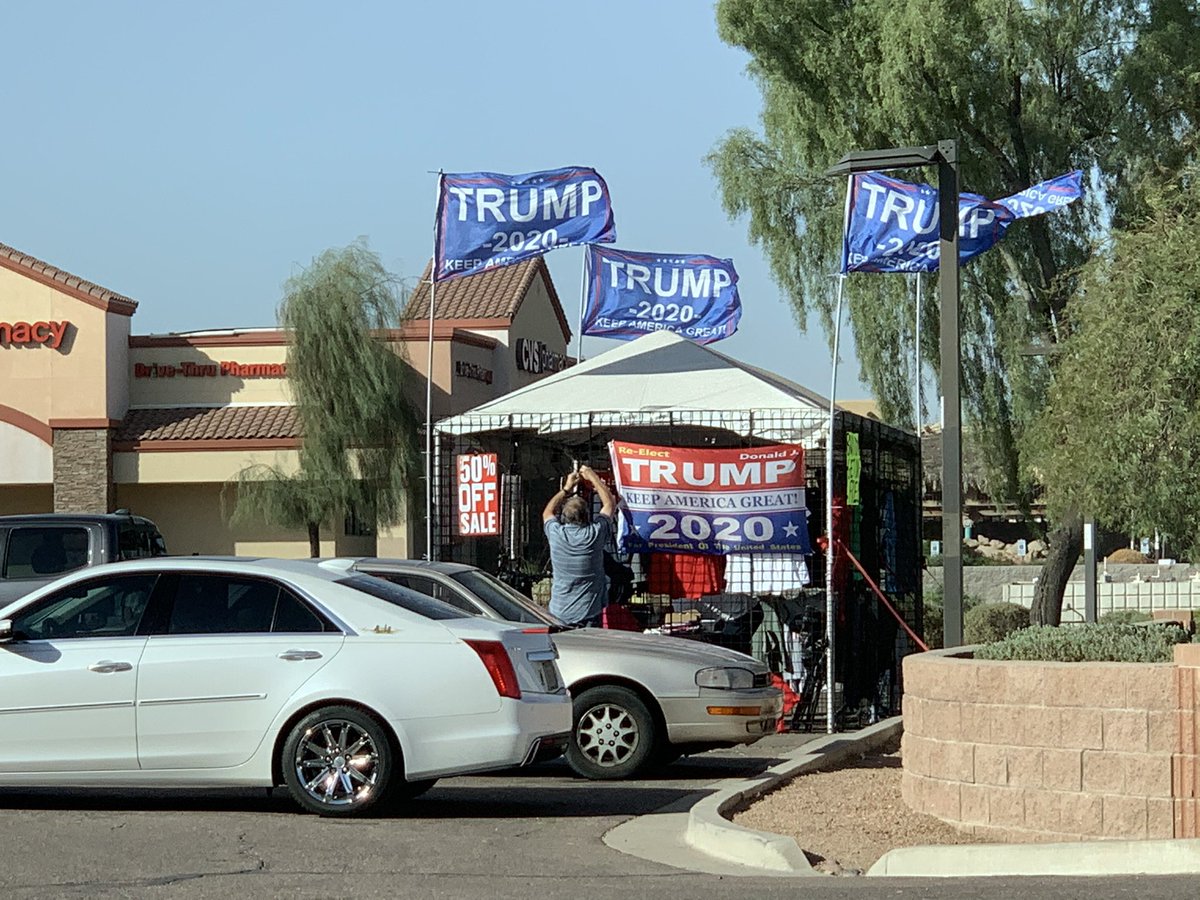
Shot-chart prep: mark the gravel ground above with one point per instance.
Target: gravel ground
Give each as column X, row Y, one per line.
column 845, row 819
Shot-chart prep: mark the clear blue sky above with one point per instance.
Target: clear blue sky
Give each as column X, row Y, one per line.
column 193, row 155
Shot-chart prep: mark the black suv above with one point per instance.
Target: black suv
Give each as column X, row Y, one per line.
column 36, row 549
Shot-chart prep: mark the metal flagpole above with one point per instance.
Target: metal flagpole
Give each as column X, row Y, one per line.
column 918, row 355
column 830, row 605
column 429, row 379
column 583, row 280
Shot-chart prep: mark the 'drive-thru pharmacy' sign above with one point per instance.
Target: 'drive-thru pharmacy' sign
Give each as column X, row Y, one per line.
column 740, row 500
column 478, row 494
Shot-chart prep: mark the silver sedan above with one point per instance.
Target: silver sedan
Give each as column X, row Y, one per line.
column 639, row 699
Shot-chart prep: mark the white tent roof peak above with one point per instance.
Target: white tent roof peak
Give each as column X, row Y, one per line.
column 654, row 374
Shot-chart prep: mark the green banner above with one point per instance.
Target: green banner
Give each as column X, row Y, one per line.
column 853, row 470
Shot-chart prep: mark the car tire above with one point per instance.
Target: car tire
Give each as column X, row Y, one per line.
column 340, row 761
column 614, row 736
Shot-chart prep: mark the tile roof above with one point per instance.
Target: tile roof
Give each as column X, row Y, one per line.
column 492, row 294
column 206, row 423
column 102, row 296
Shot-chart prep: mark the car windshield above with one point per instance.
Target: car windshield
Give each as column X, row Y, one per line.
column 403, row 597
column 507, row 603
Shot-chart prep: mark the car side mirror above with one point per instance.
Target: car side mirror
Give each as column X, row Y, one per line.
column 6, row 632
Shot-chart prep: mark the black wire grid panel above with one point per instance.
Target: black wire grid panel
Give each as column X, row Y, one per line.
column 883, row 530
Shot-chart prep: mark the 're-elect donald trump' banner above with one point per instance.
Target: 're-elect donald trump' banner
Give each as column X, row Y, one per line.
column 486, row 219
column 738, row 500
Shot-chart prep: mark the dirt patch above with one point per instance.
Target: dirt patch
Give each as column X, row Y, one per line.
column 846, row 818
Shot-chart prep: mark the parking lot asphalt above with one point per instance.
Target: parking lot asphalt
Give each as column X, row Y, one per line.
column 531, row 833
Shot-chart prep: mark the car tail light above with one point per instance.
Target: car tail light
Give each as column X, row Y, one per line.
column 496, row 660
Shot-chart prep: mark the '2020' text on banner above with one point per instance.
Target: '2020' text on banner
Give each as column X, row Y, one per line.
column 742, row 500
column 631, row 294
column 486, row 219
column 894, row 227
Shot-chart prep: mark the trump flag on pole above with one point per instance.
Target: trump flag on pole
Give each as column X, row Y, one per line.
column 486, row 219
column 893, row 224
column 712, row 501
column 631, row 294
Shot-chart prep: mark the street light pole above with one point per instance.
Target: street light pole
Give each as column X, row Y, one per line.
column 944, row 155
column 948, row 295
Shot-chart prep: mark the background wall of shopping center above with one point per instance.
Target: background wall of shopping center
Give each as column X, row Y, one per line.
column 59, row 409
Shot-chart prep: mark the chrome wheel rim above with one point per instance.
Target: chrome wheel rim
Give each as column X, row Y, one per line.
column 337, row 763
column 607, row 735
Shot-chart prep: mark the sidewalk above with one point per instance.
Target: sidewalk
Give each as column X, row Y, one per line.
column 694, row 833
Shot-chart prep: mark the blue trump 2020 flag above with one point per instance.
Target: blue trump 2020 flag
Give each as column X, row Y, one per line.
column 631, row 294
column 893, row 224
column 486, row 219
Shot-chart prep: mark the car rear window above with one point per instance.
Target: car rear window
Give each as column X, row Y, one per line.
column 403, row 597
column 45, row 550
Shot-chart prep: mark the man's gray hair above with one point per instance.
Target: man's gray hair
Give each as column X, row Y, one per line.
column 575, row 511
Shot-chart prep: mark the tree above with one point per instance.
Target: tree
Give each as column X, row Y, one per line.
column 1032, row 89
column 1121, row 430
column 359, row 432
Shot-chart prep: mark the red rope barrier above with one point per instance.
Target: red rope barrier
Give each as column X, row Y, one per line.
column 882, row 597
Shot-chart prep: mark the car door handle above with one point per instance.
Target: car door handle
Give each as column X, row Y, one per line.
column 107, row 665
column 293, row 655
column 541, row 655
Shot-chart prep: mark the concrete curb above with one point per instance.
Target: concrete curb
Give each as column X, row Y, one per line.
column 1162, row 857
column 709, row 832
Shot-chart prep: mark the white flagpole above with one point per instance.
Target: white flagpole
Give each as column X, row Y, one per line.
column 830, row 605
column 429, row 462
column 583, row 280
column 918, row 360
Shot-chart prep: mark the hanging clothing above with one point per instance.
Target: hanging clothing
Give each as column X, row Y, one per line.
column 766, row 573
column 689, row 575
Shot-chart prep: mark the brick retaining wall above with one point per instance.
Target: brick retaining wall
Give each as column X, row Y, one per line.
column 1025, row 751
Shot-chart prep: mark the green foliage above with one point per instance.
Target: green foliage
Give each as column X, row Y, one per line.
column 1013, row 80
column 990, row 622
column 1124, row 617
column 1121, row 432
column 1088, row 643
column 1032, row 90
column 934, row 615
column 360, row 432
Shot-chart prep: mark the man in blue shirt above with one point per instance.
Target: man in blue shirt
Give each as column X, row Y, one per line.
column 577, row 543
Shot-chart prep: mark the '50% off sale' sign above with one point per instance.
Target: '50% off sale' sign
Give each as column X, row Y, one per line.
column 478, row 494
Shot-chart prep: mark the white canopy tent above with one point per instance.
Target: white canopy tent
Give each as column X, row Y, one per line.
column 675, row 389
column 656, row 380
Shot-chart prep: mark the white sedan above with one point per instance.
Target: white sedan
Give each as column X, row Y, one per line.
column 640, row 699
column 220, row 672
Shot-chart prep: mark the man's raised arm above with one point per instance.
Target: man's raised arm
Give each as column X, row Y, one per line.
column 608, row 506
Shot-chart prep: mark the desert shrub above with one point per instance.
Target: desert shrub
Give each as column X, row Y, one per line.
column 1124, row 617
column 1088, row 643
column 933, row 615
column 993, row 621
